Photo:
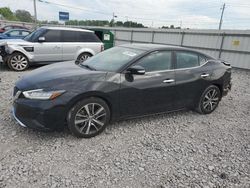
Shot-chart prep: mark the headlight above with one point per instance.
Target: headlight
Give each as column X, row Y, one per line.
column 42, row 95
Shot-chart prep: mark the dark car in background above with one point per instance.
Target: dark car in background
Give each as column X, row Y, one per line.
column 122, row 82
column 15, row 34
column 9, row 27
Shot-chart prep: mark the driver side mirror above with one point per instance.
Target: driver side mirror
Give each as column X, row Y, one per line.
column 41, row 39
column 137, row 70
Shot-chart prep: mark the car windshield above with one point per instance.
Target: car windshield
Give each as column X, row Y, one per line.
column 32, row 36
column 111, row 60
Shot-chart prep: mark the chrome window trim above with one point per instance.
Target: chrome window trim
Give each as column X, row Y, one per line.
column 192, row 67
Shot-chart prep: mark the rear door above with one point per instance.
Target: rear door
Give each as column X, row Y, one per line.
column 192, row 77
column 153, row 92
column 51, row 49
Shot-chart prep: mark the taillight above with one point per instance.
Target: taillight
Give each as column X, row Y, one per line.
column 102, row 47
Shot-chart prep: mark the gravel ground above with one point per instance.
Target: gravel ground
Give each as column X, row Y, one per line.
column 182, row 149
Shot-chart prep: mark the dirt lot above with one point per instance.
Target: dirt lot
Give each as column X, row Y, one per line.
column 182, row 149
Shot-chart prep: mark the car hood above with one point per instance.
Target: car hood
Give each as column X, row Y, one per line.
column 14, row 42
column 58, row 75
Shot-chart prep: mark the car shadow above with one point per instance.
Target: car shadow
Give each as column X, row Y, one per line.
column 109, row 131
column 5, row 68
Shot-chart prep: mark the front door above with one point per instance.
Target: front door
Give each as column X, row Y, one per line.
column 153, row 92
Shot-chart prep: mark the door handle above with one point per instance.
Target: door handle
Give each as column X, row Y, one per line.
column 204, row 75
column 168, row 81
column 57, row 47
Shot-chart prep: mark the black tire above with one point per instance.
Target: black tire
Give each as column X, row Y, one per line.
column 209, row 100
column 86, row 123
column 18, row 62
column 83, row 57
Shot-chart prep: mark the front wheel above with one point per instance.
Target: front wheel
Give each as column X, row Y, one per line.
column 209, row 100
column 88, row 117
column 18, row 62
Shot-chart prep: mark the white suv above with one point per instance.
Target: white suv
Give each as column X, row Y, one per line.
column 48, row 45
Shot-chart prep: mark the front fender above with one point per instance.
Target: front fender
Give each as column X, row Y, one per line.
column 13, row 48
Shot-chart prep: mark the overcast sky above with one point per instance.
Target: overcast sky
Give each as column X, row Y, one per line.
column 156, row 13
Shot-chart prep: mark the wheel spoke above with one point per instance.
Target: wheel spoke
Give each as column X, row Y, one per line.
column 81, row 115
column 81, row 129
column 80, row 121
column 206, row 105
column 94, row 126
column 86, row 107
column 98, row 122
column 97, row 117
column 211, row 106
column 99, row 111
column 215, row 99
column 88, row 129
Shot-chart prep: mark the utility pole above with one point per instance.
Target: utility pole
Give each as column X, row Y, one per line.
column 113, row 19
column 221, row 17
column 35, row 13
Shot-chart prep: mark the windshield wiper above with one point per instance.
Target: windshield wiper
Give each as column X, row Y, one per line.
column 88, row 67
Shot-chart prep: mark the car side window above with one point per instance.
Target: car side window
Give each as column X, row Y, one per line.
column 202, row 59
column 52, row 36
column 186, row 60
column 69, row 36
column 156, row 61
column 14, row 33
column 24, row 33
column 87, row 37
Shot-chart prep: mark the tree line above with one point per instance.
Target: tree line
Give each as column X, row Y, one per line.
column 25, row 16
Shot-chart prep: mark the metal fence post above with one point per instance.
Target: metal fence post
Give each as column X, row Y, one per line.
column 131, row 39
column 153, row 37
column 182, row 37
column 221, row 44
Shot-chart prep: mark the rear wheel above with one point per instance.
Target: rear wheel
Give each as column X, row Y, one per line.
column 83, row 57
column 18, row 61
column 209, row 100
column 88, row 117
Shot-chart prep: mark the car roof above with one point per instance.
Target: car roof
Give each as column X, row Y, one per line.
column 14, row 26
column 18, row 30
column 67, row 29
column 151, row 47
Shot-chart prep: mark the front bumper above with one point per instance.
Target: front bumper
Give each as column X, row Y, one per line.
column 39, row 115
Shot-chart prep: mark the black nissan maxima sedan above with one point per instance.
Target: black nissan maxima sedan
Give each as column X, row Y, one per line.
column 122, row 82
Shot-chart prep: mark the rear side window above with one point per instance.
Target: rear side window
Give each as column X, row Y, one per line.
column 202, row 60
column 186, row 60
column 87, row 37
column 79, row 36
column 24, row 33
column 69, row 36
column 52, row 36
column 156, row 61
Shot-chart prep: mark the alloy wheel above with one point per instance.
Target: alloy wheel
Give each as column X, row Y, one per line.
column 211, row 100
column 90, row 118
column 18, row 62
column 83, row 57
